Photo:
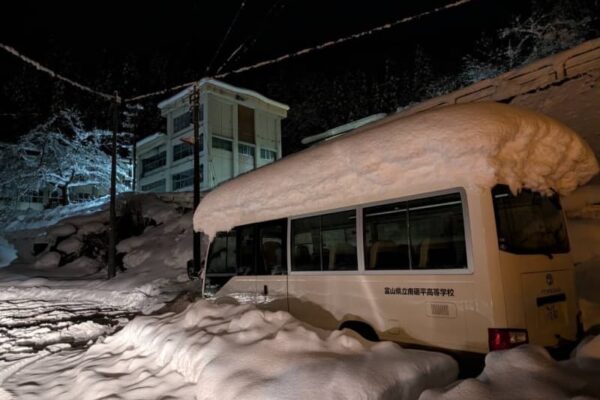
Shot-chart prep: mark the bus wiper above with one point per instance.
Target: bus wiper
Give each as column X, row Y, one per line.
column 548, row 253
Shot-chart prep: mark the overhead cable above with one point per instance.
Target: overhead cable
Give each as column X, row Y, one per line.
column 342, row 40
column 311, row 49
column 235, row 18
column 56, row 75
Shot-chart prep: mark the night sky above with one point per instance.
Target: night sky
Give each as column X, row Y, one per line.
column 136, row 47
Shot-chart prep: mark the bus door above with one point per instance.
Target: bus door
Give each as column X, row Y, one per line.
column 230, row 276
column 271, row 262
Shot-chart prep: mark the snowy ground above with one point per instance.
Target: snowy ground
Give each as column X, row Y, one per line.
column 227, row 352
column 68, row 333
column 60, row 298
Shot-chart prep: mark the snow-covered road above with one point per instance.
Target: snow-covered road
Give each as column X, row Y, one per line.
column 28, row 326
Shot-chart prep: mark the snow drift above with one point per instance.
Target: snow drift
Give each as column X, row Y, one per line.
column 528, row 372
column 473, row 144
column 583, row 209
column 226, row 352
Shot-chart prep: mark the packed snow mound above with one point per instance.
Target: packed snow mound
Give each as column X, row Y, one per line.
column 71, row 245
column 48, row 260
column 477, row 144
column 227, row 352
column 34, row 219
column 528, row 372
column 8, row 253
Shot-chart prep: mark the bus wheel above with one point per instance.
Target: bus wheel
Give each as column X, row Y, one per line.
column 363, row 329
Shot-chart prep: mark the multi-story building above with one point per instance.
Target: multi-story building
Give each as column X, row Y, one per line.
column 239, row 130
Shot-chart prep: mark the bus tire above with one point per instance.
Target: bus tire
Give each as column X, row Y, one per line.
column 362, row 328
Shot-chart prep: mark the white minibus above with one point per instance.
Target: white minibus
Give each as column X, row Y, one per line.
column 442, row 230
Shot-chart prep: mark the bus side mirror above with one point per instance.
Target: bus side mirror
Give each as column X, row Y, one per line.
column 192, row 274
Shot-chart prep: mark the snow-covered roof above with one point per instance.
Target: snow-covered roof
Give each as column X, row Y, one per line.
column 338, row 130
column 462, row 145
column 148, row 139
column 238, row 90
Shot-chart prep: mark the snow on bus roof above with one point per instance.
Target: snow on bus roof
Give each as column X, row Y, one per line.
column 477, row 144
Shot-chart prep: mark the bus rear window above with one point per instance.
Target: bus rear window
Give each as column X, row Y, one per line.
column 529, row 223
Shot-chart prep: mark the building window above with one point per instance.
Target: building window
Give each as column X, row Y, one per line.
column 223, row 144
column 182, row 121
column 32, row 196
column 182, row 150
column 83, row 196
column 325, row 242
column 154, row 162
column 267, row 154
column 156, row 186
column 246, row 149
column 246, row 124
column 183, row 179
column 418, row 234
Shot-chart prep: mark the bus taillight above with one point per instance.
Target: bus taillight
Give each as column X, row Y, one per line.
column 506, row 338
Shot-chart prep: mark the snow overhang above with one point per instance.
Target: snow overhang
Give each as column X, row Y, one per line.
column 149, row 139
column 470, row 145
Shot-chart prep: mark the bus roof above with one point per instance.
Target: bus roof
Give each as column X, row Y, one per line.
column 479, row 144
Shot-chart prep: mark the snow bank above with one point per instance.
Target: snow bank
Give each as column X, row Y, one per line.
column 91, row 228
column 62, row 230
column 48, row 260
column 32, row 219
column 528, row 372
column 473, row 144
column 583, row 211
column 8, row 253
column 234, row 352
column 135, row 299
column 151, row 250
column 71, row 245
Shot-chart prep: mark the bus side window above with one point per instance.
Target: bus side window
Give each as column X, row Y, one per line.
column 306, row 244
column 424, row 233
column 437, row 233
column 386, row 237
column 222, row 254
column 325, row 242
column 271, row 240
column 246, row 245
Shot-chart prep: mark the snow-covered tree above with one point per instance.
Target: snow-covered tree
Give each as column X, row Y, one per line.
column 547, row 30
column 60, row 154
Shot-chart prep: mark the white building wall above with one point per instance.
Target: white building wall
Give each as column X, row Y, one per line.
column 220, row 158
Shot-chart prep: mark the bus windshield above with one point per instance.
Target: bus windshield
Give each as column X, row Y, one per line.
column 529, row 223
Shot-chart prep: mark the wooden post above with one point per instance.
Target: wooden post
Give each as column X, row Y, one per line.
column 196, row 120
column 133, row 165
column 112, row 238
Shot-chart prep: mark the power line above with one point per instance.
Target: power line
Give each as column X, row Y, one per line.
column 243, row 48
column 159, row 92
column 235, row 18
column 312, row 49
column 342, row 40
column 55, row 75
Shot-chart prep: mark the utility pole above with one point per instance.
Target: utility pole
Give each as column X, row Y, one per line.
column 196, row 120
column 131, row 117
column 112, row 238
